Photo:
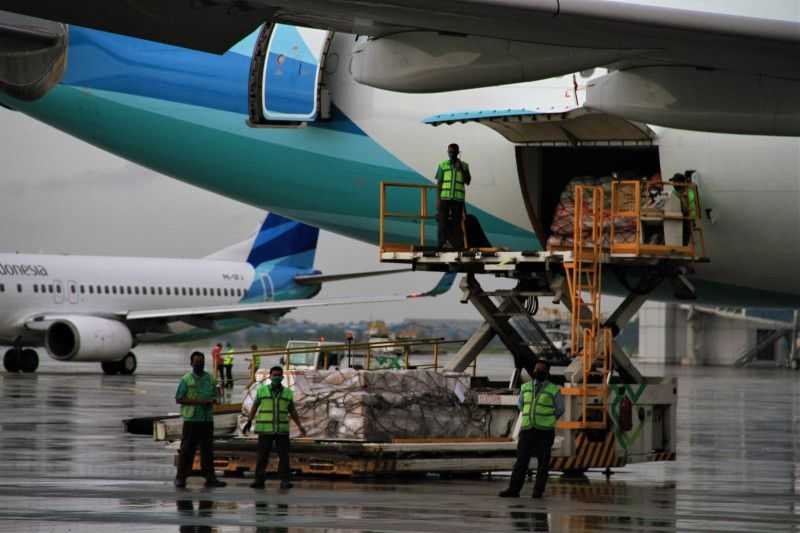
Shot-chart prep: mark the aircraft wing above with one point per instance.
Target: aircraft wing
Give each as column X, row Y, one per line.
column 316, row 279
column 267, row 311
column 647, row 33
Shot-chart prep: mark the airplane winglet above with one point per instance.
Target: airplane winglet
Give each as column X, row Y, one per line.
column 444, row 285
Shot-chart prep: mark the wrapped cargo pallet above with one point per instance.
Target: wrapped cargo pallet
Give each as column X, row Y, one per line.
column 382, row 405
column 563, row 226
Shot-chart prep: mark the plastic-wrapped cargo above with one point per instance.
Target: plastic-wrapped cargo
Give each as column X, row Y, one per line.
column 382, row 405
column 563, row 226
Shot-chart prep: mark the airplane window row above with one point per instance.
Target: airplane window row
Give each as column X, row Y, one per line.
column 132, row 290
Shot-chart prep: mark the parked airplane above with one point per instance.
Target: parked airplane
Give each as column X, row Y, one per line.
column 96, row 309
column 307, row 122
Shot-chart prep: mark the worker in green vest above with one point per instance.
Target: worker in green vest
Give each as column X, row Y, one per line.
column 271, row 409
column 196, row 395
column 452, row 178
column 256, row 359
column 227, row 364
column 541, row 404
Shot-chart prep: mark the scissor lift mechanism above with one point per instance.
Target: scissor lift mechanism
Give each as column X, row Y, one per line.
column 571, row 276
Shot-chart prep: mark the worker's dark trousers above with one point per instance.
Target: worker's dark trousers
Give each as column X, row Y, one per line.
column 197, row 434
column 449, row 219
column 221, row 370
column 532, row 443
column 228, row 379
column 265, row 441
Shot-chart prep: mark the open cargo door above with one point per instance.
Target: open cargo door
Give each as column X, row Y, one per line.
column 287, row 76
column 571, row 127
column 556, row 146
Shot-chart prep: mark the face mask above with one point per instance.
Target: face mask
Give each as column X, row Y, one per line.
column 540, row 375
column 276, row 380
column 452, row 155
column 198, row 368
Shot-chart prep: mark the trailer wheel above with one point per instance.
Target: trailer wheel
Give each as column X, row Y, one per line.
column 110, row 368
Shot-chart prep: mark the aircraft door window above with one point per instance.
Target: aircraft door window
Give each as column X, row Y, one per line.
column 50, row 289
column 2, row 288
column 135, row 290
column 83, row 289
column 91, row 289
column 183, row 291
column 35, row 288
column 72, row 291
column 19, row 287
column 58, row 297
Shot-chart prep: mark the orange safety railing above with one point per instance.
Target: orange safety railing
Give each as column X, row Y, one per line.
column 650, row 214
column 589, row 341
column 420, row 216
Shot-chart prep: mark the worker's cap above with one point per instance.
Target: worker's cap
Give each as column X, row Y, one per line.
column 678, row 177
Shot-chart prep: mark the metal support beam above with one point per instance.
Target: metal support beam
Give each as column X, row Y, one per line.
column 471, row 349
column 619, row 318
column 497, row 321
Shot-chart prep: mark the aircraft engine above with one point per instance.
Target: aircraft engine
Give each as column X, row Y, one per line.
column 33, row 55
column 421, row 62
column 88, row 339
column 700, row 99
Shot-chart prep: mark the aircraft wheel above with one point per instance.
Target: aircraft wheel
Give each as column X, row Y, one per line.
column 128, row 364
column 11, row 360
column 110, row 367
column 29, row 361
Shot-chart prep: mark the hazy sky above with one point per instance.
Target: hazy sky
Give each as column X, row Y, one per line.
column 61, row 195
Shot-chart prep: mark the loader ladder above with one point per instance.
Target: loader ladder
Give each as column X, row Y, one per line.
column 590, row 341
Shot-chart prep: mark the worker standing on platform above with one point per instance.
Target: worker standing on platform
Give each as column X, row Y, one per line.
column 196, row 395
column 227, row 363
column 452, row 178
column 273, row 406
column 542, row 405
column 216, row 355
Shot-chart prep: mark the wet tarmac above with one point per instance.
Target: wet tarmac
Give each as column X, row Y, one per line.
column 66, row 465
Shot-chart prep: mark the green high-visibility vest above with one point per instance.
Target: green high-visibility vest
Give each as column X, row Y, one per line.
column 228, row 358
column 453, row 181
column 540, row 411
column 694, row 204
column 273, row 416
column 198, row 389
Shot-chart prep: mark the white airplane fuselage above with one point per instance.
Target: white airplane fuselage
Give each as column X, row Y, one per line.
column 327, row 173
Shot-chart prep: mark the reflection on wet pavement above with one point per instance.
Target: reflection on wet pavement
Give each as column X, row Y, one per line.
column 66, row 465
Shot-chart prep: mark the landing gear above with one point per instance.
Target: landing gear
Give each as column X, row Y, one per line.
column 19, row 360
column 30, row 361
column 12, row 360
column 128, row 364
column 125, row 366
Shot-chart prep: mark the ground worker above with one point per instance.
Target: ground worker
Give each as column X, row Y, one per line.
column 452, row 177
column 227, row 363
column 273, row 406
column 216, row 354
column 688, row 199
column 541, row 404
column 255, row 362
column 196, row 395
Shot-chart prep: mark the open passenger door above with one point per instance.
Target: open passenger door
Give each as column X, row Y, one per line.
column 287, row 84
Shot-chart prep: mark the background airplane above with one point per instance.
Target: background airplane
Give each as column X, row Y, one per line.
column 307, row 123
column 96, row 309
